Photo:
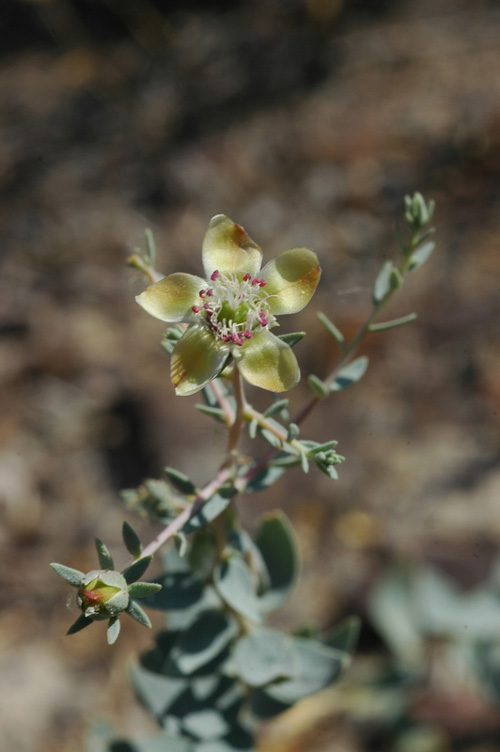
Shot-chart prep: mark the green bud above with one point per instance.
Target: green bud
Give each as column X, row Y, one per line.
column 103, row 594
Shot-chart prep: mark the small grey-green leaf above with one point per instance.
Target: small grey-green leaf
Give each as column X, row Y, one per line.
column 396, row 279
column 143, row 589
column 304, row 462
column 71, row 576
column 105, row 558
column 383, row 326
column 79, row 624
column 382, row 284
column 204, row 640
column 214, row 412
column 136, row 612
column 350, row 374
column 150, row 248
column 332, row 329
column 233, row 581
column 265, row 478
column 292, row 338
column 271, row 439
column 137, row 569
column 205, row 724
column 262, row 656
column 345, row 635
column 276, row 407
column 131, row 540
column 208, row 511
column 319, row 388
column 157, row 692
column 420, row 256
column 113, row 630
column 181, row 482
column 314, row 668
column 276, row 541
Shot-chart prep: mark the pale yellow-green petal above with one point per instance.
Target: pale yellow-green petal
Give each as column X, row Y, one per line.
column 172, row 298
column 196, row 360
column 291, row 279
column 267, row 362
column 227, row 248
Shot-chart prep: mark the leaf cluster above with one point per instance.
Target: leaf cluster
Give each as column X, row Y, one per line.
column 217, row 671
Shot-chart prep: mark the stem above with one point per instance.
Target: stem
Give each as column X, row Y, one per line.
column 178, row 523
column 237, row 424
column 223, row 402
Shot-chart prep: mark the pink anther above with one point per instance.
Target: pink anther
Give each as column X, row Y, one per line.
column 263, row 319
column 247, row 277
column 196, row 309
column 215, row 275
column 248, row 333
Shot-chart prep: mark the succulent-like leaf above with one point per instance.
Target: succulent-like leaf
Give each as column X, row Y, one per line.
column 181, row 482
column 420, row 256
column 201, row 642
column 276, row 407
column 318, row 386
column 233, row 581
column 113, row 630
column 105, row 558
column 79, row 624
column 206, row 513
column 350, row 374
column 345, row 635
column 332, row 329
column 137, row 569
column 176, row 591
column 136, row 612
column 263, row 656
column 143, row 589
column 276, row 542
column 205, row 724
column 315, row 666
column 71, row 576
column 156, row 692
column 291, row 338
column 265, row 478
column 131, row 540
column 382, row 284
column 213, row 412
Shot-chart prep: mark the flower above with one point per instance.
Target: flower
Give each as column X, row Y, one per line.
column 103, row 594
column 232, row 311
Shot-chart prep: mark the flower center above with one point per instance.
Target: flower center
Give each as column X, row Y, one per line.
column 235, row 307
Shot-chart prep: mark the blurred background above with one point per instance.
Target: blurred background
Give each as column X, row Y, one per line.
column 307, row 121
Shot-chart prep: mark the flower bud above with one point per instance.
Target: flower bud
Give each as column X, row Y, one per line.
column 103, row 593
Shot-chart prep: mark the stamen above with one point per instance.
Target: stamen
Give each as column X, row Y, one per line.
column 234, row 307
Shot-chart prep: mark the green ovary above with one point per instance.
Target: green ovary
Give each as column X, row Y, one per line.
column 237, row 315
